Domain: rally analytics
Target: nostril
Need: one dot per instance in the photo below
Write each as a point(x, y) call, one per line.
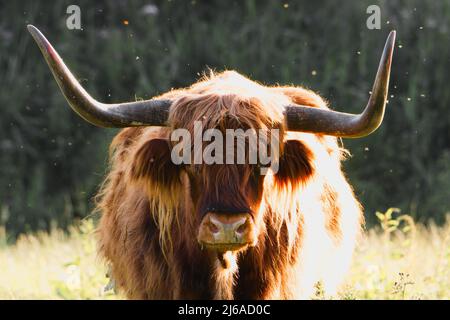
point(213, 227)
point(241, 229)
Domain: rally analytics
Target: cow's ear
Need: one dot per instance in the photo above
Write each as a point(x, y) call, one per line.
point(152, 162)
point(296, 164)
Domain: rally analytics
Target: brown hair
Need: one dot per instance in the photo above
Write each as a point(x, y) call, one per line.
point(147, 229)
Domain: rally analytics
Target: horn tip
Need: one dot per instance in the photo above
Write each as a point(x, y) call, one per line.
point(392, 36)
point(32, 29)
point(390, 43)
point(40, 39)
point(34, 32)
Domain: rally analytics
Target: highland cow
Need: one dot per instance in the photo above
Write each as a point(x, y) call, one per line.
point(220, 230)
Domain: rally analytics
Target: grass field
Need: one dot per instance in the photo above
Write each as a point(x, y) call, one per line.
point(397, 260)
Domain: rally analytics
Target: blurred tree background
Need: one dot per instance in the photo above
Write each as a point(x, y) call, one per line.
point(51, 161)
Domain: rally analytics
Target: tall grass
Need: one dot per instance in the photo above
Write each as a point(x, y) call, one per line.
point(397, 260)
point(401, 260)
point(55, 265)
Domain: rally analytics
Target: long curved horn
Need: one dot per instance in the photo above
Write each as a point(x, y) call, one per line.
point(327, 122)
point(116, 115)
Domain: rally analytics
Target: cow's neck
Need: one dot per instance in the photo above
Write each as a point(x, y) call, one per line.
point(224, 272)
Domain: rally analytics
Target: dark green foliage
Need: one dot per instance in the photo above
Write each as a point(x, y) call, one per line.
point(51, 162)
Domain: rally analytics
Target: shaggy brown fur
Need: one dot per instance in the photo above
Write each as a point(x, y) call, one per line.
point(306, 214)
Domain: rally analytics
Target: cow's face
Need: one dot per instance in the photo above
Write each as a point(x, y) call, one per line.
point(229, 199)
point(225, 201)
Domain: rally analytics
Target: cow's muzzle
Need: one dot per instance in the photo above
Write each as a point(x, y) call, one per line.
point(227, 232)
